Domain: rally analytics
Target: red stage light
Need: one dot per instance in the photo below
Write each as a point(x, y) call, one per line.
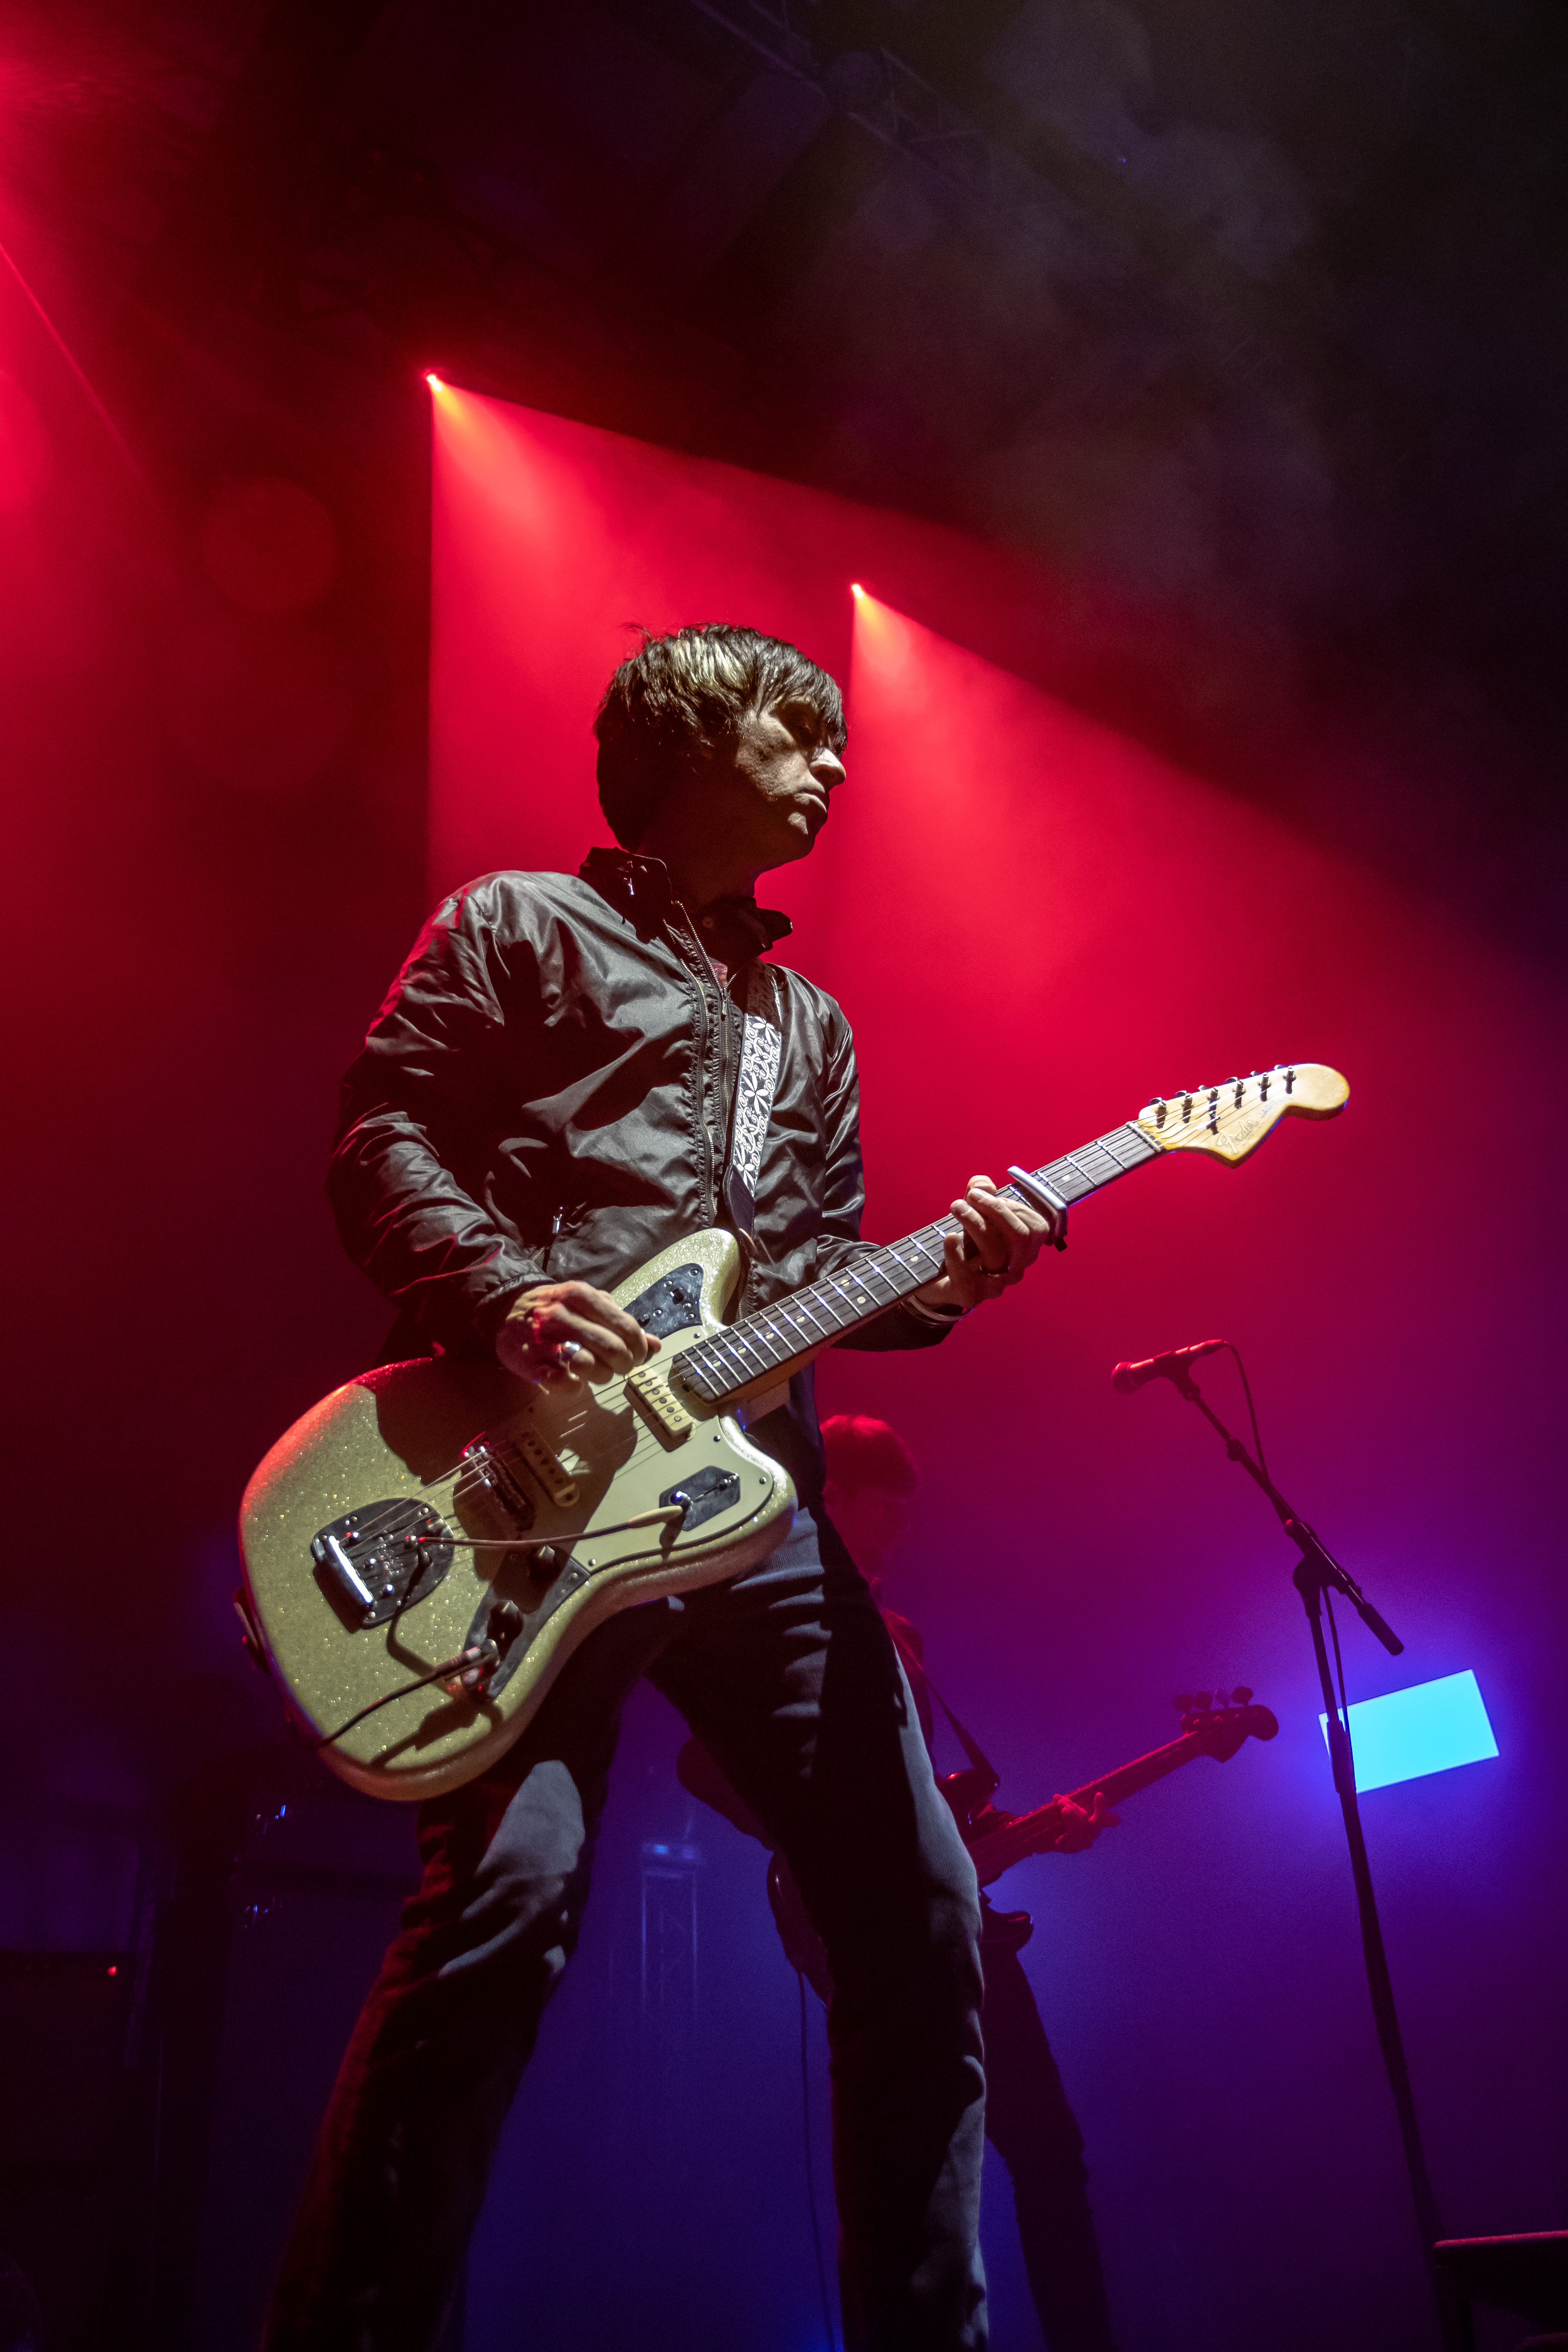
point(434, 382)
point(855, 589)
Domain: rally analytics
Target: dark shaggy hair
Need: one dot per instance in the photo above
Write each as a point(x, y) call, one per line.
point(866, 1452)
point(679, 699)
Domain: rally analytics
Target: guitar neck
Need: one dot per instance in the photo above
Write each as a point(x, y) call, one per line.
point(996, 1849)
point(766, 1347)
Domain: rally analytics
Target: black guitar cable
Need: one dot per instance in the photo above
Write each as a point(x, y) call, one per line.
point(485, 1656)
point(488, 1652)
point(810, 2174)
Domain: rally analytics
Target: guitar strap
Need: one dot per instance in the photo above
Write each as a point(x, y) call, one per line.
point(749, 1122)
point(915, 1671)
point(749, 1119)
point(755, 1086)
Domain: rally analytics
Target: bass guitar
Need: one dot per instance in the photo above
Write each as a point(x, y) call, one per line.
point(424, 1549)
point(997, 1840)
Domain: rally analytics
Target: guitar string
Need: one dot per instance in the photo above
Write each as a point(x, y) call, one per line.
point(660, 1553)
point(799, 1302)
point(923, 1238)
point(646, 1446)
point(1003, 1833)
point(758, 1326)
point(869, 1268)
point(872, 1268)
point(873, 1265)
point(468, 1477)
point(470, 1480)
point(446, 1666)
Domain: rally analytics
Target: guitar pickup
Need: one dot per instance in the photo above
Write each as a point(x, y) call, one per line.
point(670, 1419)
point(556, 1480)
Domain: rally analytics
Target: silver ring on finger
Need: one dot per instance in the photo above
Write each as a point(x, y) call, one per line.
point(567, 1350)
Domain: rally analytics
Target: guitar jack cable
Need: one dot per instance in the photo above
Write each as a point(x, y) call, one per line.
point(488, 1652)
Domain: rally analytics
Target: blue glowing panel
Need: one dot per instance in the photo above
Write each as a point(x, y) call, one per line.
point(1412, 1732)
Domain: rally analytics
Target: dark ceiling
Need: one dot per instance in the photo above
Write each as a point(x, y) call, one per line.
point(1247, 317)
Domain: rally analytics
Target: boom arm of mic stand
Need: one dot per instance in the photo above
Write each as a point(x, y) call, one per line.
point(1318, 1563)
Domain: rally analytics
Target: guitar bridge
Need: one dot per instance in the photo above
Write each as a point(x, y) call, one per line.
point(375, 1563)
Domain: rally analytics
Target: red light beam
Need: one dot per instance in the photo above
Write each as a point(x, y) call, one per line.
point(71, 362)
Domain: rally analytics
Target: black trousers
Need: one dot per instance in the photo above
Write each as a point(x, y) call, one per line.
point(1036, 2134)
point(788, 1676)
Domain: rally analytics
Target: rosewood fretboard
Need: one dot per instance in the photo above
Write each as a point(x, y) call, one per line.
point(743, 1353)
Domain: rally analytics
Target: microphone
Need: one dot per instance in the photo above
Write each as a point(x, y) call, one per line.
point(1128, 1377)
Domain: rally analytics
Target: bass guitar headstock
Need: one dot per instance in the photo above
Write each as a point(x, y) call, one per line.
point(1229, 1122)
point(1219, 1724)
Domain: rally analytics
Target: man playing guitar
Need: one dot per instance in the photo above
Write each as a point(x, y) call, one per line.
point(544, 1098)
point(870, 1490)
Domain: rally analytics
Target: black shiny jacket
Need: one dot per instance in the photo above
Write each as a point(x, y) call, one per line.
point(545, 1093)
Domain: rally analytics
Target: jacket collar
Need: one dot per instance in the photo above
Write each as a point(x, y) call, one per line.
point(733, 929)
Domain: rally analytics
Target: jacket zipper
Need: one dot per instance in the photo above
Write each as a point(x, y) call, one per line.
point(710, 1157)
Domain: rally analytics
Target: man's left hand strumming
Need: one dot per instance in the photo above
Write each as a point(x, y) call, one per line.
point(1005, 1237)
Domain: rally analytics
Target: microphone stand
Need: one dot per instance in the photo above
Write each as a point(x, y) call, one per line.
point(1316, 1573)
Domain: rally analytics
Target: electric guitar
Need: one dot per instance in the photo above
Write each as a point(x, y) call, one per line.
point(424, 1549)
point(997, 1840)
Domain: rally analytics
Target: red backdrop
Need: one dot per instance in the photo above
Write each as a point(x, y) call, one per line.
point(1034, 925)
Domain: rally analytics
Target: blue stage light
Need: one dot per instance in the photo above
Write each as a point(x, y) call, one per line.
point(1409, 1733)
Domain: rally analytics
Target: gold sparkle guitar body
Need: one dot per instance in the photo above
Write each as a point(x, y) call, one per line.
point(427, 1548)
point(369, 1483)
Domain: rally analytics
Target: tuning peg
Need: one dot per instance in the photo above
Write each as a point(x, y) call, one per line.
point(1240, 1695)
point(1183, 1702)
point(1204, 1699)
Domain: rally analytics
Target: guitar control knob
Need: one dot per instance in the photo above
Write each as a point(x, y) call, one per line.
point(506, 1622)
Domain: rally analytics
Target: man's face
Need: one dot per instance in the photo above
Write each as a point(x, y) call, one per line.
point(774, 790)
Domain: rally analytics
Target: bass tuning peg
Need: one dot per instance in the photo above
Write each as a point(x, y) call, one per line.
point(1183, 1702)
point(1240, 1695)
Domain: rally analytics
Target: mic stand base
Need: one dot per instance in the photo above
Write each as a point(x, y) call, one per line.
point(1315, 1572)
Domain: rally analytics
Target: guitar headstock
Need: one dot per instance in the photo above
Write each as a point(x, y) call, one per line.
point(1230, 1121)
point(1220, 1724)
